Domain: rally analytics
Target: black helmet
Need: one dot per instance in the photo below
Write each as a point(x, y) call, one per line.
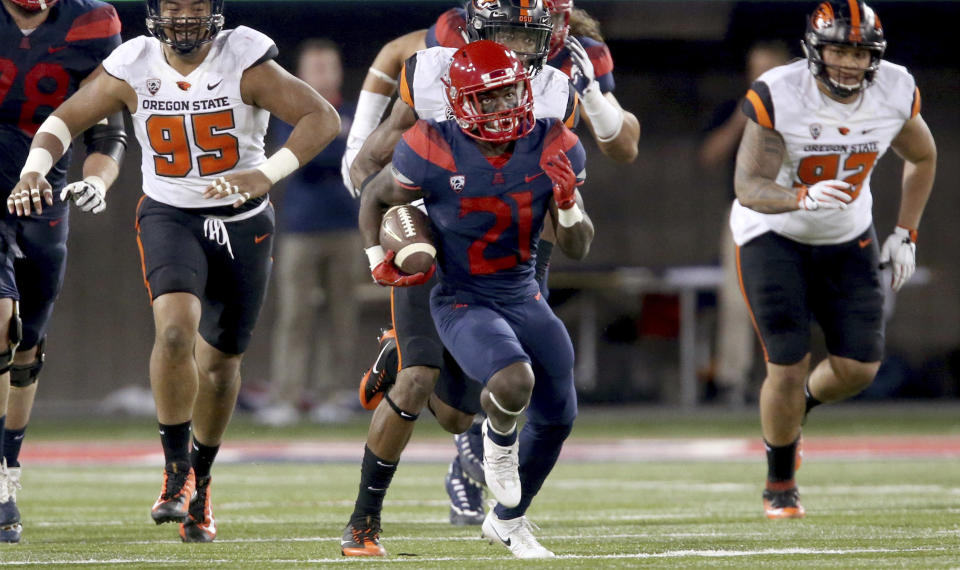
point(503, 21)
point(187, 33)
point(846, 23)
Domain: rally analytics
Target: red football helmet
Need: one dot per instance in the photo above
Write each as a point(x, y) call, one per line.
point(34, 5)
point(478, 68)
point(560, 12)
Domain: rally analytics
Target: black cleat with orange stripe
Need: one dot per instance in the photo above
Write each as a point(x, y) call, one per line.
point(179, 484)
point(781, 500)
point(199, 526)
point(379, 377)
point(362, 538)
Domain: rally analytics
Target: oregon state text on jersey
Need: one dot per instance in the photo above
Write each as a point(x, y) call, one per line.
point(825, 140)
point(196, 127)
point(420, 87)
point(39, 70)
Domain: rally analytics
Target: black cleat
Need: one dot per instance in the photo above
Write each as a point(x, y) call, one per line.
point(199, 526)
point(782, 503)
point(178, 488)
point(378, 379)
point(362, 538)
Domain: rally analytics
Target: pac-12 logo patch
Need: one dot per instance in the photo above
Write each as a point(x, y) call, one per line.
point(153, 85)
point(458, 182)
point(815, 130)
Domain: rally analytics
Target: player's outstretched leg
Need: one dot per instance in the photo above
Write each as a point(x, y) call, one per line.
point(199, 526)
point(10, 527)
point(179, 484)
point(466, 496)
point(379, 377)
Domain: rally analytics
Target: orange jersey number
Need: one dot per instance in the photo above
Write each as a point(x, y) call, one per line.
point(819, 167)
point(170, 142)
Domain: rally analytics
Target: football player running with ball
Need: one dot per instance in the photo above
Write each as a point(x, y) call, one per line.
point(200, 98)
point(488, 179)
point(803, 222)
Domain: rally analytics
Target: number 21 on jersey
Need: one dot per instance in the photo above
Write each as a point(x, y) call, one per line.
point(499, 231)
point(170, 141)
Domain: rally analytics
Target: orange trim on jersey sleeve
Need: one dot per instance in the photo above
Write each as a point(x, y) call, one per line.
point(571, 119)
point(915, 108)
point(405, 92)
point(558, 139)
point(95, 24)
point(430, 145)
point(762, 116)
point(753, 318)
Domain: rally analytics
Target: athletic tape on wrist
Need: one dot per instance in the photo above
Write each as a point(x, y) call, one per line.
point(570, 216)
point(280, 165)
point(375, 255)
point(39, 160)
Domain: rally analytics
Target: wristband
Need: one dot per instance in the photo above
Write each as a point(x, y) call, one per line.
point(39, 160)
point(280, 165)
point(606, 118)
point(375, 255)
point(570, 216)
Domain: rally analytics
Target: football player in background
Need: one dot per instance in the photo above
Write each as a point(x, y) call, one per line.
point(487, 305)
point(47, 50)
point(205, 224)
point(412, 350)
point(803, 222)
point(576, 47)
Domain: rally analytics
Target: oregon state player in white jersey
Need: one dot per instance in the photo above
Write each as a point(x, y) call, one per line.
point(803, 225)
point(200, 98)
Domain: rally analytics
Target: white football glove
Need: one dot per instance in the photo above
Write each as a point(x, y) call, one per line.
point(900, 253)
point(826, 194)
point(582, 72)
point(88, 194)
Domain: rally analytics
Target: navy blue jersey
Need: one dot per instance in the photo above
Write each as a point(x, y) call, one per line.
point(486, 221)
point(40, 70)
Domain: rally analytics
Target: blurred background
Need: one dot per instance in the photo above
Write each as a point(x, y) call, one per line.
point(642, 306)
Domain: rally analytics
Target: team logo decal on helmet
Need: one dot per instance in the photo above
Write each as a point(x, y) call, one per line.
point(184, 33)
point(34, 5)
point(481, 67)
point(843, 23)
point(525, 26)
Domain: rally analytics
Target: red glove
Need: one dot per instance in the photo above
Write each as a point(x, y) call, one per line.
point(388, 274)
point(560, 171)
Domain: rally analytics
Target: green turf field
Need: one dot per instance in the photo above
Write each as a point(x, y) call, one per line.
point(679, 514)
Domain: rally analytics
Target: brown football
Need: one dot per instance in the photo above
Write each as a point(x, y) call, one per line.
point(406, 230)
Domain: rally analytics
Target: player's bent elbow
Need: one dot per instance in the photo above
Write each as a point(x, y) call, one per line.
point(621, 149)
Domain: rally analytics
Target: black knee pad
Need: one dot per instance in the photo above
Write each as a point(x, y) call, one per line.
point(23, 375)
point(403, 415)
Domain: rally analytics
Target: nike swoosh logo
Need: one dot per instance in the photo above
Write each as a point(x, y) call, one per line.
point(52, 49)
point(258, 239)
point(382, 464)
point(503, 540)
point(54, 223)
point(376, 489)
point(163, 432)
point(529, 179)
point(407, 416)
point(211, 87)
point(864, 242)
point(376, 362)
point(865, 131)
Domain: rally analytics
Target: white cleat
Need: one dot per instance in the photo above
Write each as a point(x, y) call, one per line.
point(501, 469)
point(516, 534)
